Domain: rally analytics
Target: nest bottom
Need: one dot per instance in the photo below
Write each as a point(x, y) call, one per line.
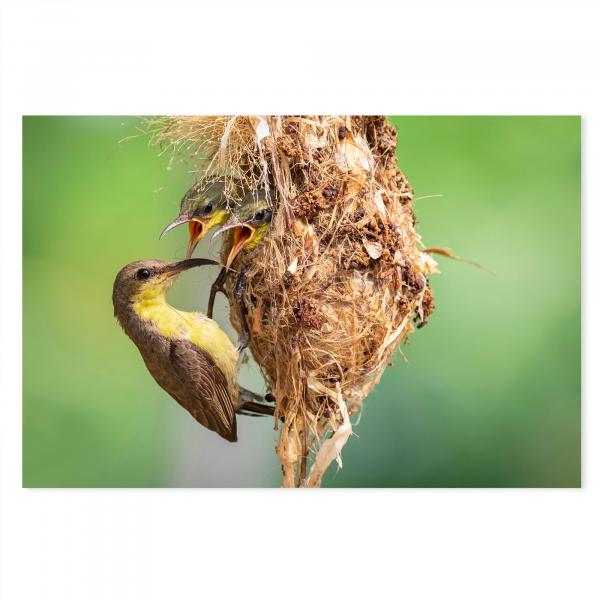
point(322, 336)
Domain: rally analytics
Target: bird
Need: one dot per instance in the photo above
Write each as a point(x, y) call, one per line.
point(203, 207)
point(248, 225)
point(249, 221)
point(187, 353)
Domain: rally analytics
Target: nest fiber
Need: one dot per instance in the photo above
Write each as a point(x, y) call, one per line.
point(341, 277)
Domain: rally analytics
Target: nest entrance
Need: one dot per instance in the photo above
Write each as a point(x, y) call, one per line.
point(341, 277)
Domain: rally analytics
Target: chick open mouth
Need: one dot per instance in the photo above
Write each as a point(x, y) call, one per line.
point(242, 235)
point(197, 229)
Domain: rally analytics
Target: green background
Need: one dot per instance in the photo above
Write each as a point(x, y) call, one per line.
point(490, 395)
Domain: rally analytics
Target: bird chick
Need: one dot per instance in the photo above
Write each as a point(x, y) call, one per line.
point(203, 207)
point(249, 223)
point(187, 353)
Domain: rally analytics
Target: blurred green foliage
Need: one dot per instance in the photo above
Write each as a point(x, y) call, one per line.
point(490, 395)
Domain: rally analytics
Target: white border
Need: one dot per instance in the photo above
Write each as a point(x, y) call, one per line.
point(193, 57)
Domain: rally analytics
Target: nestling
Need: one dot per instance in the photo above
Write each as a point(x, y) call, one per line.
point(249, 221)
point(203, 207)
point(247, 226)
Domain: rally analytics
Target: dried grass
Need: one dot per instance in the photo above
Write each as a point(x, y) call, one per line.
point(340, 280)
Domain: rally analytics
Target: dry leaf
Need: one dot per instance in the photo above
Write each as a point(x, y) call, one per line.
point(261, 127)
point(293, 266)
point(331, 449)
point(378, 200)
point(354, 154)
point(299, 228)
point(374, 249)
point(427, 265)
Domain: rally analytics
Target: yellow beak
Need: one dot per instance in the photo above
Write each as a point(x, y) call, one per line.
point(243, 234)
point(197, 228)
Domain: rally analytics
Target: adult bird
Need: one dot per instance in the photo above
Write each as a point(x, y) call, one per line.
point(203, 207)
point(187, 353)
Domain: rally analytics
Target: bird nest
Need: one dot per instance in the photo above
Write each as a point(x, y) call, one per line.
point(340, 280)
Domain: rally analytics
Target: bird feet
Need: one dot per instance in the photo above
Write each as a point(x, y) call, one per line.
point(219, 286)
point(254, 405)
point(255, 409)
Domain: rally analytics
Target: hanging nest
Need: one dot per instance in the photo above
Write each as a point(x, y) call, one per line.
point(341, 278)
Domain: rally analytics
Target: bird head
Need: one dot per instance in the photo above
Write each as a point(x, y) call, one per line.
point(149, 279)
point(249, 222)
point(203, 207)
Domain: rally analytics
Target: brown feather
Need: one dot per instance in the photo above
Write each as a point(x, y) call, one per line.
point(207, 395)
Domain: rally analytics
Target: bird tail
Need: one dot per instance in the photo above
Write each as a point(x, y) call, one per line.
point(253, 404)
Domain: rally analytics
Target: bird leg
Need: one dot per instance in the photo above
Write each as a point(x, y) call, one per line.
point(217, 286)
point(253, 405)
point(255, 409)
point(240, 287)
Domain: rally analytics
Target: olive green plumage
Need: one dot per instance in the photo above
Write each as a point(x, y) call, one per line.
point(203, 207)
point(249, 222)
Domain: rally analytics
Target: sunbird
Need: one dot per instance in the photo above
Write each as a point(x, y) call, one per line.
point(249, 221)
point(248, 225)
point(187, 353)
point(203, 207)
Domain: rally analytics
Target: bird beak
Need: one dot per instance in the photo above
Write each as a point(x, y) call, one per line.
point(178, 221)
point(242, 235)
point(197, 229)
point(183, 265)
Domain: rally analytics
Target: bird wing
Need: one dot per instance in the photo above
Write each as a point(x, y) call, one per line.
point(207, 392)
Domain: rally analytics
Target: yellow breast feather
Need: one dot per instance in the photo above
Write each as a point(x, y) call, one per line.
point(193, 326)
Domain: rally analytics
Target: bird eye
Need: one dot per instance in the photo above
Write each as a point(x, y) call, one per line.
point(208, 208)
point(143, 274)
point(260, 215)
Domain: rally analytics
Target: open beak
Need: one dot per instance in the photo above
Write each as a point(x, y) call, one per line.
point(197, 229)
point(183, 265)
point(242, 235)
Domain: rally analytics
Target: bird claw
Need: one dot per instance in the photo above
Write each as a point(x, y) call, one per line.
point(243, 340)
